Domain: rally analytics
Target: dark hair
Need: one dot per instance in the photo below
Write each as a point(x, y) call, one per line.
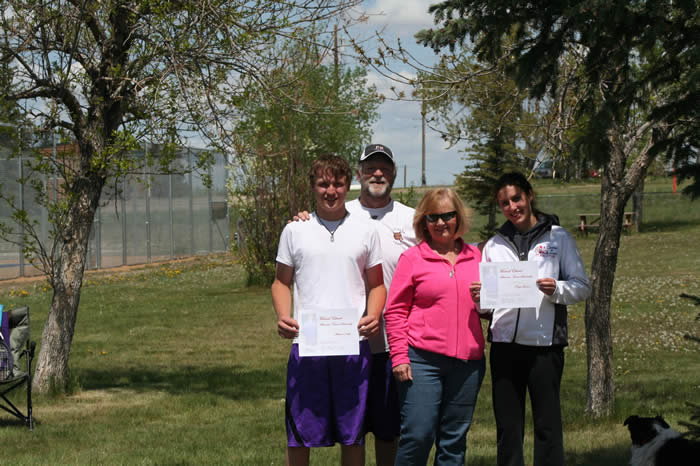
point(331, 165)
point(515, 179)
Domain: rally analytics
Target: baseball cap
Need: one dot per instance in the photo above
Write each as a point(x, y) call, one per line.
point(372, 149)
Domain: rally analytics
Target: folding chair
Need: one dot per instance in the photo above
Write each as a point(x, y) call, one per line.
point(10, 377)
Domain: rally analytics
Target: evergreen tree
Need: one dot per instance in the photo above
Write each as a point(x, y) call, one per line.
point(475, 184)
point(637, 58)
point(487, 113)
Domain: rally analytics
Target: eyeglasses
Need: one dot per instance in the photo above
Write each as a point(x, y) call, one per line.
point(370, 169)
point(446, 217)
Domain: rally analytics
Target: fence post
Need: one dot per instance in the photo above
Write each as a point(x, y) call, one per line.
point(191, 200)
point(88, 256)
point(147, 179)
point(170, 213)
point(98, 238)
point(55, 170)
point(20, 190)
point(211, 213)
point(123, 202)
point(55, 165)
point(45, 213)
point(227, 167)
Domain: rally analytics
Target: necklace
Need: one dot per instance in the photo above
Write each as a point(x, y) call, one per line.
point(332, 232)
point(450, 255)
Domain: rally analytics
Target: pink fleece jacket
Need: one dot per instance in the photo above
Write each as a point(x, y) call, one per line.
point(430, 307)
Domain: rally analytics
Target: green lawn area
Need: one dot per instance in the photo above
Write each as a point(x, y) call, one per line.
point(180, 363)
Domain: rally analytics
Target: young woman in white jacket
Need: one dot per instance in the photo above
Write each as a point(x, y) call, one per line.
point(527, 344)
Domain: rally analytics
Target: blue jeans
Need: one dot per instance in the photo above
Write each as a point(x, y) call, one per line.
point(437, 407)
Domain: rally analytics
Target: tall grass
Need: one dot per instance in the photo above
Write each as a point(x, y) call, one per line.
point(181, 364)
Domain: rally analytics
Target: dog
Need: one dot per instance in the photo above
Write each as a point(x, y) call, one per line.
point(654, 443)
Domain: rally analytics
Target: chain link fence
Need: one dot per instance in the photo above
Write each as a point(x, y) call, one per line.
point(143, 219)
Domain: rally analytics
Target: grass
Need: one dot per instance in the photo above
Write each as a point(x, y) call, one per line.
point(180, 363)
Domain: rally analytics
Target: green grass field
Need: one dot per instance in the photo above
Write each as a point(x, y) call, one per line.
point(180, 364)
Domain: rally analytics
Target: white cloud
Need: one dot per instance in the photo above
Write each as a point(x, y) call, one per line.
point(391, 87)
point(399, 125)
point(400, 12)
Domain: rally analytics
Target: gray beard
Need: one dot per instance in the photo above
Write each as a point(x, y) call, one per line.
point(374, 193)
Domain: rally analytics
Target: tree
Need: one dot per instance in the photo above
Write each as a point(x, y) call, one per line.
point(488, 113)
point(628, 48)
point(328, 108)
point(112, 74)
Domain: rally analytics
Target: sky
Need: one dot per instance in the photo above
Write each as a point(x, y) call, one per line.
point(399, 124)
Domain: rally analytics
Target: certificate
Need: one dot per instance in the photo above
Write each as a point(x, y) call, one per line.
point(509, 284)
point(328, 332)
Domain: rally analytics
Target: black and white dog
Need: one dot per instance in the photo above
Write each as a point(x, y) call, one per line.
point(654, 443)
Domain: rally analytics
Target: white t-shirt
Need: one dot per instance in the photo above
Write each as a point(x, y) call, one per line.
point(330, 274)
point(394, 223)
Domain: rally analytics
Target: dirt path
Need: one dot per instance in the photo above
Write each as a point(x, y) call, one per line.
point(22, 281)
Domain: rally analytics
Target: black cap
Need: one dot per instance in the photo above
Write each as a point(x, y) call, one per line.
point(372, 149)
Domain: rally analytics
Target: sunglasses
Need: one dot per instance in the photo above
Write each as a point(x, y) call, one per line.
point(446, 217)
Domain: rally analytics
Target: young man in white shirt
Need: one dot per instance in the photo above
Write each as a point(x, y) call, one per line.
point(376, 172)
point(335, 262)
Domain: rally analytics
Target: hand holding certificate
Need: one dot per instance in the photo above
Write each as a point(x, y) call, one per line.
point(509, 284)
point(328, 332)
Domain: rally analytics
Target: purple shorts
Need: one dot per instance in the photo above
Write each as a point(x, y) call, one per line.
point(383, 416)
point(327, 398)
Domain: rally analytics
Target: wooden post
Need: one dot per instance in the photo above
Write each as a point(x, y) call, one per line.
point(422, 114)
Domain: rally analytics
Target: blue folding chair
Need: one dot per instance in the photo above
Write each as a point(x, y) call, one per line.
point(10, 377)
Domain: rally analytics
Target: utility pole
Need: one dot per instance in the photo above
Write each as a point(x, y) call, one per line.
point(336, 60)
point(422, 114)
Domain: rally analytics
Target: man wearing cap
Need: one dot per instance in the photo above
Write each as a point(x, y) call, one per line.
point(376, 172)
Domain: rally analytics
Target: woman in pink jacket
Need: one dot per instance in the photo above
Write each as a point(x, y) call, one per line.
point(435, 337)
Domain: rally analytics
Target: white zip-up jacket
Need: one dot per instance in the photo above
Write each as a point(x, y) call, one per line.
point(556, 254)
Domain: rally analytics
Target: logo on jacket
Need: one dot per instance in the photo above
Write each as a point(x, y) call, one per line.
point(546, 250)
point(398, 236)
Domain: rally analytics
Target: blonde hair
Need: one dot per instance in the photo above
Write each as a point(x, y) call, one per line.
point(428, 205)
